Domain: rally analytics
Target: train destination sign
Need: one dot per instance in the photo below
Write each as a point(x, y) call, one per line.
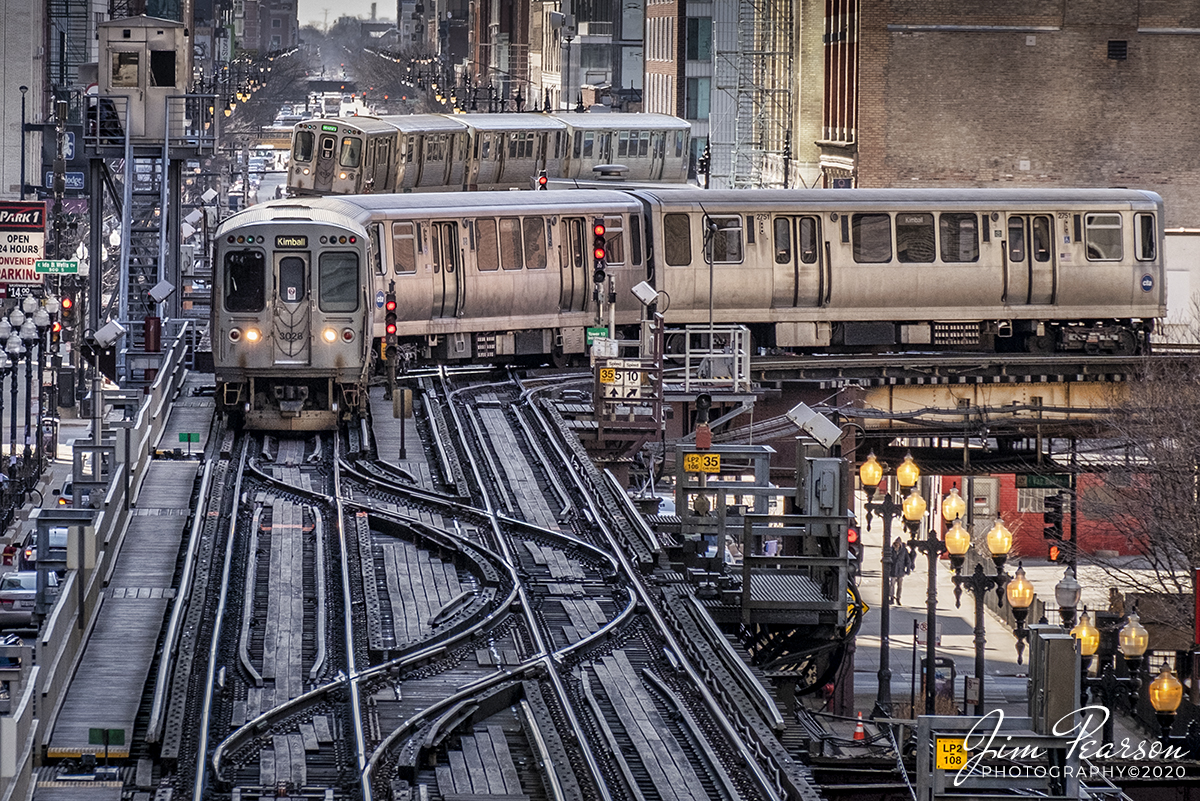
point(291, 241)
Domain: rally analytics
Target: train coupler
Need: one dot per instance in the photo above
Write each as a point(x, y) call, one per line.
point(291, 400)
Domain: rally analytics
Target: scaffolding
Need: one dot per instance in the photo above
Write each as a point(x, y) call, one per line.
point(753, 59)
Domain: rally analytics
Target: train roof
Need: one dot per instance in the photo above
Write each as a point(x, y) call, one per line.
point(361, 123)
point(966, 197)
point(423, 122)
point(514, 202)
point(624, 122)
point(510, 122)
point(332, 210)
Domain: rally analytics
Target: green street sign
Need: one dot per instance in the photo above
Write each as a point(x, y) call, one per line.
point(1043, 481)
point(595, 331)
point(189, 437)
point(56, 266)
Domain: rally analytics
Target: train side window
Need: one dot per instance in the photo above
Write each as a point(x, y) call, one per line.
point(809, 237)
point(643, 144)
point(535, 242)
point(327, 145)
point(614, 238)
point(578, 142)
point(375, 232)
point(339, 283)
point(783, 240)
point(679, 144)
point(487, 254)
point(511, 250)
point(485, 149)
point(871, 238)
point(435, 148)
point(589, 140)
point(1102, 233)
point(245, 281)
point(960, 236)
point(677, 240)
point(1145, 231)
point(623, 143)
point(1041, 239)
point(291, 279)
point(404, 246)
point(409, 149)
point(303, 151)
point(725, 240)
point(914, 238)
point(1016, 239)
point(635, 238)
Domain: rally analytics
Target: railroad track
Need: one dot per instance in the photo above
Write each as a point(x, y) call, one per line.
point(359, 636)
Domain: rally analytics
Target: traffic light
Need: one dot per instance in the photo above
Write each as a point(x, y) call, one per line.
point(1052, 531)
point(599, 250)
point(55, 332)
point(854, 549)
point(542, 180)
point(389, 318)
point(65, 327)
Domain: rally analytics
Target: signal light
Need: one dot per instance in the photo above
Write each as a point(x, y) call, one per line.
point(542, 180)
point(389, 305)
point(599, 249)
point(67, 303)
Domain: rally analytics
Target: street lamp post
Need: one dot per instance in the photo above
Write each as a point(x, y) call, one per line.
point(29, 336)
point(958, 542)
point(41, 319)
point(23, 90)
point(1068, 592)
point(1106, 641)
point(1020, 597)
point(870, 474)
point(1166, 693)
point(14, 347)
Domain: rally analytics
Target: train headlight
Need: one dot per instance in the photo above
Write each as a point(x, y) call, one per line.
point(253, 335)
point(342, 175)
point(329, 335)
point(306, 170)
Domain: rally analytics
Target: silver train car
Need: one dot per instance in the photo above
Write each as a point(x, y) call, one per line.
point(291, 317)
point(437, 152)
point(496, 276)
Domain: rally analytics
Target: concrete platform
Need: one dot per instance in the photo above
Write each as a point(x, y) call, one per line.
point(107, 686)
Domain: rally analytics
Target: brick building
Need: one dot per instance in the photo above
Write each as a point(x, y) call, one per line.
point(1025, 92)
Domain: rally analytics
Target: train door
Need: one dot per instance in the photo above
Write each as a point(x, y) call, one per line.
point(368, 165)
point(292, 323)
point(658, 149)
point(801, 268)
point(1030, 275)
point(456, 145)
point(383, 165)
point(326, 166)
point(575, 288)
point(447, 261)
point(488, 161)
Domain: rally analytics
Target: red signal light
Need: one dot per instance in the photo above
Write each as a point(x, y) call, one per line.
point(598, 229)
point(852, 535)
point(391, 328)
point(598, 253)
point(67, 304)
point(57, 327)
point(390, 305)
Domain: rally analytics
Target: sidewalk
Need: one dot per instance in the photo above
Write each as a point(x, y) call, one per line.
point(1005, 682)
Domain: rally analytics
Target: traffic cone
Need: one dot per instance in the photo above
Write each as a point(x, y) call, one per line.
point(859, 732)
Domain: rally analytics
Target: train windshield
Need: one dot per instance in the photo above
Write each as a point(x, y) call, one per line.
point(338, 288)
point(351, 151)
point(245, 281)
point(303, 150)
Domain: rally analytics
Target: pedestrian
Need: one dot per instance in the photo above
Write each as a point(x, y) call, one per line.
point(902, 565)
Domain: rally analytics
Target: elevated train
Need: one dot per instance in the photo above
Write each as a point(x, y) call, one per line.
point(299, 294)
point(455, 152)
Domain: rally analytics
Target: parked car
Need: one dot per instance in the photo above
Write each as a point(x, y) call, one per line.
point(18, 593)
point(58, 547)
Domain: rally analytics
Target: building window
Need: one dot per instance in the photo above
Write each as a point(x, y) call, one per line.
point(1033, 501)
point(698, 91)
point(277, 23)
point(699, 39)
point(1118, 49)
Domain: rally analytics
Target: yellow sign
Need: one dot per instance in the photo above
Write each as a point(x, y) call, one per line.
point(951, 753)
point(702, 463)
point(608, 375)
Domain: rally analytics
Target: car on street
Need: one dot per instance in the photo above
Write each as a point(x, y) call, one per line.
point(18, 594)
point(58, 547)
